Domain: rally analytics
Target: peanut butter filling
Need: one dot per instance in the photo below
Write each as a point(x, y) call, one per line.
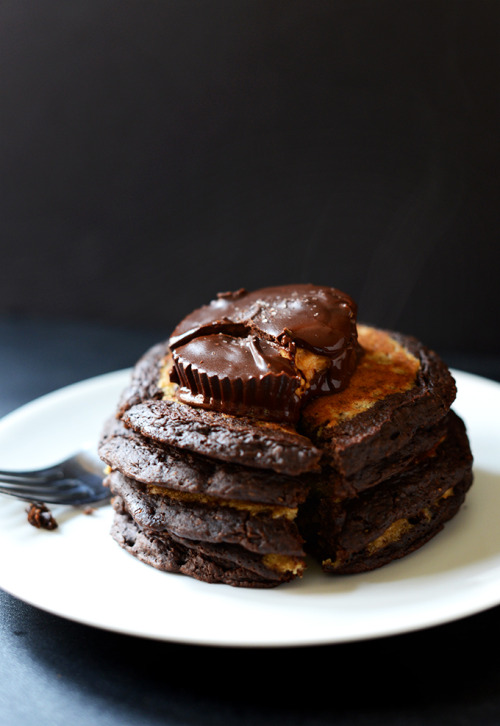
point(275, 512)
point(385, 368)
point(284, 563)
point(395, 531)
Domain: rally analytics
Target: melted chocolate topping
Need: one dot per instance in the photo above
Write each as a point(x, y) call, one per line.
point(242, 353)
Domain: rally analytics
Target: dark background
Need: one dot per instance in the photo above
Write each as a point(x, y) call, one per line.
point(154, 153)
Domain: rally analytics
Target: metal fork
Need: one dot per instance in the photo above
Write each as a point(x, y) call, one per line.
point(76, 481)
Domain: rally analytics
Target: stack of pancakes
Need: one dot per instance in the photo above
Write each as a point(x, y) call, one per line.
point(365, 475)
point(203, 493)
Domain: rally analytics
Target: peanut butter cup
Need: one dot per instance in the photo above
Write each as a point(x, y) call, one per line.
point(265, 353)
point(238, 375)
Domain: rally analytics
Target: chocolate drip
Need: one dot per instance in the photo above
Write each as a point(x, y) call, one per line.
point(239, 353)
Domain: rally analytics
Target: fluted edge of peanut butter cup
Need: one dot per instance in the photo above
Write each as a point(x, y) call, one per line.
point(271, 397)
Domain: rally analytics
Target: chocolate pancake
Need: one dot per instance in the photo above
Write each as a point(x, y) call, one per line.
point(217, 540)
point(228, 438)
point(376, 471)
point(146, 461)
point(219, 522)
point(397, 396)
point(224, 564)
point(263, 529)
point(394, 518)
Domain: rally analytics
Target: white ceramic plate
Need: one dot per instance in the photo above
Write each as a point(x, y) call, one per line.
point(80, 573)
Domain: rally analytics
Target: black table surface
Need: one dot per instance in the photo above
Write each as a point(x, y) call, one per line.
point(54, 671)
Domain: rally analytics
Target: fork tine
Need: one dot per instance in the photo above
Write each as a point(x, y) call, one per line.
point(55, 471)
point(19, 478)
point(64, 491)
point(73, 495)
point(77, 480)
point(63, 487)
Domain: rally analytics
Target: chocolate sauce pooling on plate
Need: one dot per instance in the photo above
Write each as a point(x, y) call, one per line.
point(265, 353)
